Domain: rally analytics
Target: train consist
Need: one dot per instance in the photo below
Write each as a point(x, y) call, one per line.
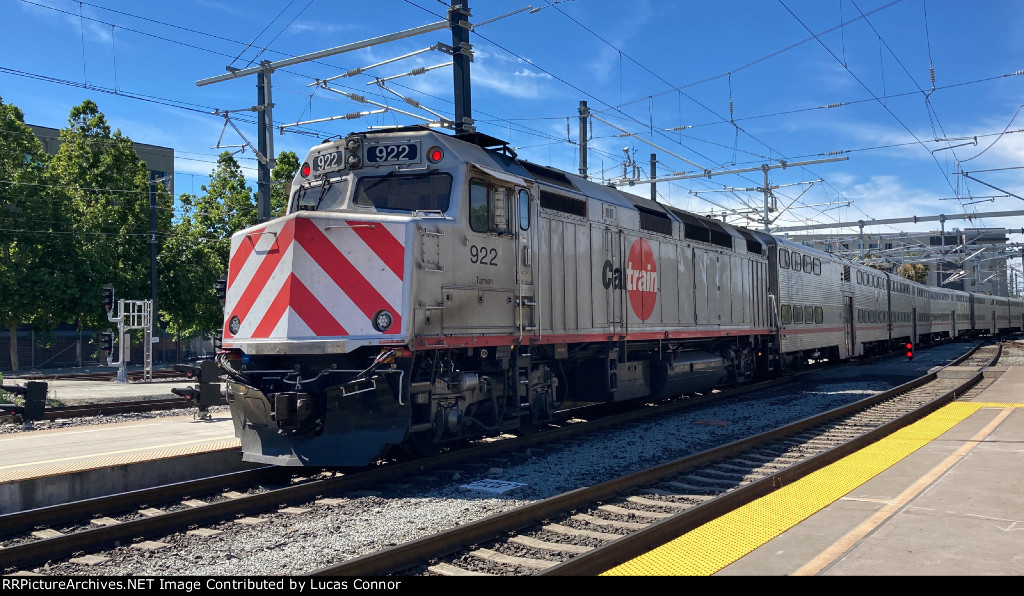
point(425, 288)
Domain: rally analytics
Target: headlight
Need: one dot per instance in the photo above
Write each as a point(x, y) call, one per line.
point(382, 320)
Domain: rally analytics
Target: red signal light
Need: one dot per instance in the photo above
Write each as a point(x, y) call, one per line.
point(910, 350)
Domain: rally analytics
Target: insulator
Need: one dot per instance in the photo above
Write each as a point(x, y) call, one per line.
point(730, 110)
point(931, 71)
point(834, 105)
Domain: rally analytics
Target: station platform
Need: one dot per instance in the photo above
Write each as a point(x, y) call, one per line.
point(58, 463)
point(941, 497)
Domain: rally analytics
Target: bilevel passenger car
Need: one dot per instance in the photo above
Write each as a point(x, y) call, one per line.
point(426, 288)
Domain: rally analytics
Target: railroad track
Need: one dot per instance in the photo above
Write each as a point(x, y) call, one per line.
point(133, 376)
point(590, 530)
point(121, 407)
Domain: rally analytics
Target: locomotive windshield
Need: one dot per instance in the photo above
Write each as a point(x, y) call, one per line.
point(329, 195)
point(405, 192)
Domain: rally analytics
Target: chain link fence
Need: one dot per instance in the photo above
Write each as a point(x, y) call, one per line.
point(61, 349)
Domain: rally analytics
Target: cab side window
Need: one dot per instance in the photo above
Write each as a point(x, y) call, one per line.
point(524, 210)
point(489, 208)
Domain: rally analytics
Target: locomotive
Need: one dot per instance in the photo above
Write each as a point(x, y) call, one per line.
point(426, 288)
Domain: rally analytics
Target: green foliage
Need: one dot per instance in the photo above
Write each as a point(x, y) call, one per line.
point(281, 178)
point(81, 219)
point(108, 193)
point(33, 253)
point(917, 272)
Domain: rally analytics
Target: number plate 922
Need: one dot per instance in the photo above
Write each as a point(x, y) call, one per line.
point(393, 153)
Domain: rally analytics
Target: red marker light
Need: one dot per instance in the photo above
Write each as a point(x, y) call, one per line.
point(305, 170)
point(435, 154)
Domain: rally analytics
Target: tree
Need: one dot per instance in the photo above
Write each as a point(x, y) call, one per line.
point(281, 178)
point(109, 192)
point(917, 272)
point(31, 221)
point(196, 253)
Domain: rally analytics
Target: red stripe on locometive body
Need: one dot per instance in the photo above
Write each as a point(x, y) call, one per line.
point(312, 312)
point(245, 248)
point(383, 244)
point(296, 295)
point(347, 277)
point(272, 315)
point(265, 270)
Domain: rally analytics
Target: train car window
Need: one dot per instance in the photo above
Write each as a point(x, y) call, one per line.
point(489, 208)
point(479, 210)
point(808, 314)
point(860, 278)
point(524, 210)
point(786, 314)
point(784, 258)
point(816, 266)
point(819, 315)
point(796, 262)
point(798, 314)
point(406, 192)
point(807, 263)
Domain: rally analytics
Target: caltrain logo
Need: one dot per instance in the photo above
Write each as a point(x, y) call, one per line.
point(640, 279)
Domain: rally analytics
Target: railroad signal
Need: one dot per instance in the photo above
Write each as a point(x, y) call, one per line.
point(910, 350)
point(221, 287)
point(108, 298)
point(107, 341)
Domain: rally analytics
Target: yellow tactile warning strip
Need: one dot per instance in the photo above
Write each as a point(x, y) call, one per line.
point(67, 465)
point(717, 544)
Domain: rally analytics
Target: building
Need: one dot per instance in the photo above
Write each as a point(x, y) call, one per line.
point(159, 160)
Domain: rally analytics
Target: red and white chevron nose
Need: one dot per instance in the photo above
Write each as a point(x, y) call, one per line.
point(302, 278)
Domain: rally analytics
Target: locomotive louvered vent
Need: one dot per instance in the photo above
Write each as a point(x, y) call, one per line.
point(549, 200)
point(753, 245)
point(705, 230)
point(656, 222)
point(548, 175)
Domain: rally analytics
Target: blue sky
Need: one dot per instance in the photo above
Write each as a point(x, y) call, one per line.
point(750, 78)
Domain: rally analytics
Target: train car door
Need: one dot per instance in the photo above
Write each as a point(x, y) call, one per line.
point(482, 297)
point(526, 312)
point(849, 330)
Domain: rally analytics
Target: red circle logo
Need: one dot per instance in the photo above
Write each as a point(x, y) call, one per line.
point(642, 279)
